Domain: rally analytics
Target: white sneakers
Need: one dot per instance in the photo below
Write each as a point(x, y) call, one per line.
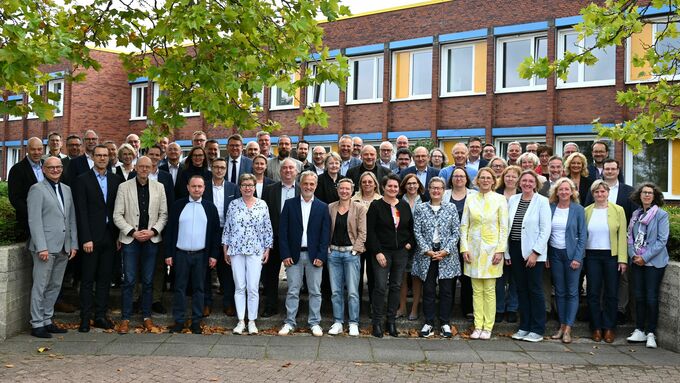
point(426, 331)
point(240, 327)
point(533, 337)
point(336, 329)
point(317, 330)
point(252, 328)
point(651, 340)
point(353, 329)
point(485, 335)
point(476, 334)
point(286, 329)
point(637, 336)
point(520, 335)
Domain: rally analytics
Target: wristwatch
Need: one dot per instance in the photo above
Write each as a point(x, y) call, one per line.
point(354, 252)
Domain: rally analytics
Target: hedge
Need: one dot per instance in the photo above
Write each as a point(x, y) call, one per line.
point(674, 237)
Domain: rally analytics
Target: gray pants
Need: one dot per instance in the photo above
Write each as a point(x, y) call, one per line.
point(47, 278)
point(294, 274)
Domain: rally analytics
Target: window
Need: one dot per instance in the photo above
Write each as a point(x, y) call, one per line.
point(188, 111)
point(510, 53)
point(13, 117)
point(280, 99)
point(652, 164)
point(57, 86)
point(325, 94)
point(138, 102)
point(12, 158)
point(602, 73)
point(412, 74)
point(584, 143)
point(502, 144)
point(39, 91)
point(638, 44)
point(463, 69)
point(365, 83)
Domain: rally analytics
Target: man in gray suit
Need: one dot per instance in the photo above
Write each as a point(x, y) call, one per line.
point(52, 222)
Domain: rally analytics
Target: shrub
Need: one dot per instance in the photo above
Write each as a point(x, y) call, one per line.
point(674, 237)
point(3, 189)
point(9, 229)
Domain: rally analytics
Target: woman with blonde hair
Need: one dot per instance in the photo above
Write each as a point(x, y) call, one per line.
point(368, 189)
point(576, 169)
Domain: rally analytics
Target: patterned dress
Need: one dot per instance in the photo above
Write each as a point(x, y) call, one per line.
point(483, 232)
point(247, 231)
point(425, 220)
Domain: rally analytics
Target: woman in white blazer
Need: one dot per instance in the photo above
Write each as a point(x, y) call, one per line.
point(529, 220)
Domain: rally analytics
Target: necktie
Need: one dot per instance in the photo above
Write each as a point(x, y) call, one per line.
point(233, 171)
point(59, 197)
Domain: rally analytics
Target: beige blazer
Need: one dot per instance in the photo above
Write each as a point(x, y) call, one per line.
point(126, 209)
point(356, 224)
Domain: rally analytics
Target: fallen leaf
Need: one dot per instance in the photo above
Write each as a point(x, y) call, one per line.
point(591, 353)
point(213, 379)
point(632, 350)
point(9, 366)
point(287, 365)
point(43, 349)
point(358, 364)
point(119, 370)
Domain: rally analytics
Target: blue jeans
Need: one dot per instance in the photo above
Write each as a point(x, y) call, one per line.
point(565, 280)
point(295, 273)
point(343, 269)
point(509, 302)
point(189, 265)
point(602, 270)
point(529, 291)
point(144, 254)
point(646, 281)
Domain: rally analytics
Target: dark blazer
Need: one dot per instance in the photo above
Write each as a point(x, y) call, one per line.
point(119, 173)
point(594, 174)
point(271, 194)
point(318, 230)
point(19, 181)
point(183, 177)
point(353, 162)
point(245, 166)
point(576, 232)
point(380, 232)
point(310, 166)
point(584, 190)
point(76, 167)
point(326, 189)
point(212, 234)
point(231, 192)
point(622, 199)
point(91, 210)
point(267, 181)
point(355, 173)
point(166, 168)
point(431, 172)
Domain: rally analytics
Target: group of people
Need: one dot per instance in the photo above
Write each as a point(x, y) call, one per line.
point(399, 216)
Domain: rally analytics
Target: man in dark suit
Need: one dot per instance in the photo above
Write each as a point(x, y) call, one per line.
point(95, 192)
point(368, 164)
point(317, 165)
point(223, 192)
point(52, 221)
point(192, 239)
point(275, 195)
point(83, 163)
point(238, 163)
point(345, 146)
point(173, 164)
point(304, 233)
point(420, 169)
point(600, 152)
point(22, 176)
point(475, 159)
point(386, 150)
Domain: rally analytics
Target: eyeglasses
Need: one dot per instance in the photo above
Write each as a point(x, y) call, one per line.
point(247, 186)
point(459, 177)
point(53, 168)
point(433, 188)
point(647, 193)
point(411, 184)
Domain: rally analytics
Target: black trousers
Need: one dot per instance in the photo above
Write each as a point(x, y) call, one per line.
point(388, 282)
point(270, 280)
point(226, 279)
point(430, 292)
point(97, 270)
point(465, 290)
point(367, 267)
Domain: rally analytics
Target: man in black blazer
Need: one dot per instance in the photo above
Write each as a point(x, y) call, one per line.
point(22, 176)
point(475, 159)
point(223, 192)
point(83, 163)
point(95, 192)
point(275, 195)
point(600, 152)
point(173, 165)
point(424, 173)
point(368, 164)
point(237, 163)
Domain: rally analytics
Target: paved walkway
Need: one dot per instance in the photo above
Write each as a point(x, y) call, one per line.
point(99, 356)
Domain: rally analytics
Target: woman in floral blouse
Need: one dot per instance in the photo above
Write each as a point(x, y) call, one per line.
point(436, 261)
point(247, 238)
point(483, 239)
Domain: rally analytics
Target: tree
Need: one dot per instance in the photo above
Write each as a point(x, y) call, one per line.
point(656, 103)
point(209, 55)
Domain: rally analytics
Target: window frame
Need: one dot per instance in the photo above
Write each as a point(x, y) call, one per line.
point(501, 143)
point(393, 75)
point(500, 57)
point(273, 97)
point(11, 117)
point(58, 104)
point(581, 82)
point(444, 73)
point(311, 67)
point(31, 115)
point(628, 169)
point(561, 140)
point(655, 23)
point(133, 101)
point(377, 71)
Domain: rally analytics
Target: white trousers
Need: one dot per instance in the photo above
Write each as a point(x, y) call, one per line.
point(246, 271)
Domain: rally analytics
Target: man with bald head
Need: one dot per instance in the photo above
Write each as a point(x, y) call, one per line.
point(459, 154)
point(421, 169)
point(285, 146)
point(134, 141)
point(83, 163)
point(173, 164)
point(345, 152)
point(22, 176)
point(369, 163)
point(140, 213)
point(357, 145)
point(252, 149)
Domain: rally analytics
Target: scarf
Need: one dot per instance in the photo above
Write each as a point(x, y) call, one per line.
point(637, 240)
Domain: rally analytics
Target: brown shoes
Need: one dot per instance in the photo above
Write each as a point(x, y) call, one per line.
point(559, 334)
point(566, 338)
point(148, 324)
point(206, 311)
point(609, 336)
point(124, 327)
point(230, 311)
point(597, 336)
point(63, 307)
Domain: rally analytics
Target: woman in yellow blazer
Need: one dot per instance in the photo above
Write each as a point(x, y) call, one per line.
point(606, 257)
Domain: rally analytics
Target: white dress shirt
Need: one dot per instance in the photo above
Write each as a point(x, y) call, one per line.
point(306, 211)
point(193, 227)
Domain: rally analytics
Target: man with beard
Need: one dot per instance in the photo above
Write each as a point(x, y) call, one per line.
point(274, 164)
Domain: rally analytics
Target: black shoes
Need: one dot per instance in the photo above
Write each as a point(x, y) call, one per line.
point(84, 326)
point(40, 332)
point(377, 330)
point(177, 328)
point(268, 313)
point(392, 330)
point(53, 329)
point(512, 317)
point(158, 308)
point(196, 328)
point(103, 323)
point(499, 317)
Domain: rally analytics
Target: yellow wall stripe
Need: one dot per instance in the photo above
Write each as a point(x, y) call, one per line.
point(638, 44)
point(402, 69)
point(675, 182)
point(480, 68)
